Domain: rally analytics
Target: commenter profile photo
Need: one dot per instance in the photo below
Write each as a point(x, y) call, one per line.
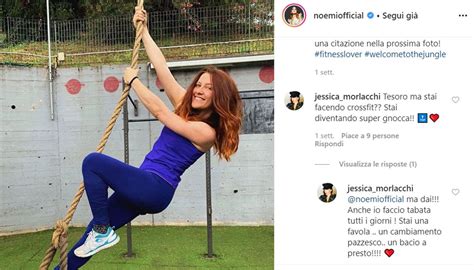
point(327, 192)
point(294, 15)
point(294, 100)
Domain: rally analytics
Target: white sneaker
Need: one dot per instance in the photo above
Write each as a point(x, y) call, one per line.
point(96, 242)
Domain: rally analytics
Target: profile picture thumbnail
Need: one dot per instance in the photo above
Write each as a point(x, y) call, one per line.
point(327, 192)
point(294, 100)
point(294, 15)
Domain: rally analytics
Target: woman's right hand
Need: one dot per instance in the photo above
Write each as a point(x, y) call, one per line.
point(129, 74)
point(140, 16)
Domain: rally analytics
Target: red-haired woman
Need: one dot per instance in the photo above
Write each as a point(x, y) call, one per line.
point(207, 114)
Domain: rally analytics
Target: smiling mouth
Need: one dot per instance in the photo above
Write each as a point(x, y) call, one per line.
point(200, 98)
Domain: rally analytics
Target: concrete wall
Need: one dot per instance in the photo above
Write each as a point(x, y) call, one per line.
point(40, 162)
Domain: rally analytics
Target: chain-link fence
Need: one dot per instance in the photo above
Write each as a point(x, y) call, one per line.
point(182, 34)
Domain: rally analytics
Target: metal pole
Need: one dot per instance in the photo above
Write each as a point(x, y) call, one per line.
point(250, 23)
point(56, 41)
point(126, 159)
point(210, 253)
point(50, 69)
point(8, 30)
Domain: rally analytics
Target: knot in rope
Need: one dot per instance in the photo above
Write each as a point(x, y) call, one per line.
point(60, 229)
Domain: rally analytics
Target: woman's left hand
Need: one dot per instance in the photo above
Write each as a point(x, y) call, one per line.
point(129, 74)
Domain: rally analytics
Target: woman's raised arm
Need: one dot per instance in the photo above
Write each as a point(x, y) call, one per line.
point(173, 90)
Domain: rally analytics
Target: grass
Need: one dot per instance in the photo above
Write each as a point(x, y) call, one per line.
point(35, 53)
point(166, 247)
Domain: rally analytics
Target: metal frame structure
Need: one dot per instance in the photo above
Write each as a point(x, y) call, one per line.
point(126, 121)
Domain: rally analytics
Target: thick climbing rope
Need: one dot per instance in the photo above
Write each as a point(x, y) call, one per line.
point(59, 239)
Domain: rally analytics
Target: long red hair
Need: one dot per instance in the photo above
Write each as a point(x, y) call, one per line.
point(226, 117)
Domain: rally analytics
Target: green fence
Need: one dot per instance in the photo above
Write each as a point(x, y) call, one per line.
point(183, 34)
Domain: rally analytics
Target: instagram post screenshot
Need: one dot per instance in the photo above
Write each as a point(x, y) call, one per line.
point(137, 134)
point(237, 134)
point(373, 142)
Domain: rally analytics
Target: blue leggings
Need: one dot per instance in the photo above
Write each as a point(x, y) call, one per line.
point(136, 192)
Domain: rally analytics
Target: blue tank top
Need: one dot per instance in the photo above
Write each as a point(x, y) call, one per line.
point(171, 155)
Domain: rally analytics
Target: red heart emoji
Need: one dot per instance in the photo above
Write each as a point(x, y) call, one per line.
point(389, 252)
point(434, 117)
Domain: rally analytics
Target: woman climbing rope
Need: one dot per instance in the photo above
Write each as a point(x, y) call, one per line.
point(207, 114)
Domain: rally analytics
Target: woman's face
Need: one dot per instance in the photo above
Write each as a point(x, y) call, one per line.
point(295, 100)
point(327, 192)
point(202, 93)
